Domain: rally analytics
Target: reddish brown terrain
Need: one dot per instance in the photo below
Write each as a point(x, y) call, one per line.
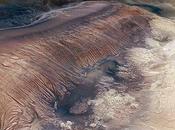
point(94, 66)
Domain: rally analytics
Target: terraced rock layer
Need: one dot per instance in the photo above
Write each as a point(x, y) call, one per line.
point(98, 65)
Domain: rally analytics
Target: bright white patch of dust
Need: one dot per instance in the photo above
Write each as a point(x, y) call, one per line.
point(112, 109)
point(114, 106)
point(66, 126)
point(157, 64)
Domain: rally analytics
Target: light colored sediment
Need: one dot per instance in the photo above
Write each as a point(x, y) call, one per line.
point(154, 105)
point(157, 64)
